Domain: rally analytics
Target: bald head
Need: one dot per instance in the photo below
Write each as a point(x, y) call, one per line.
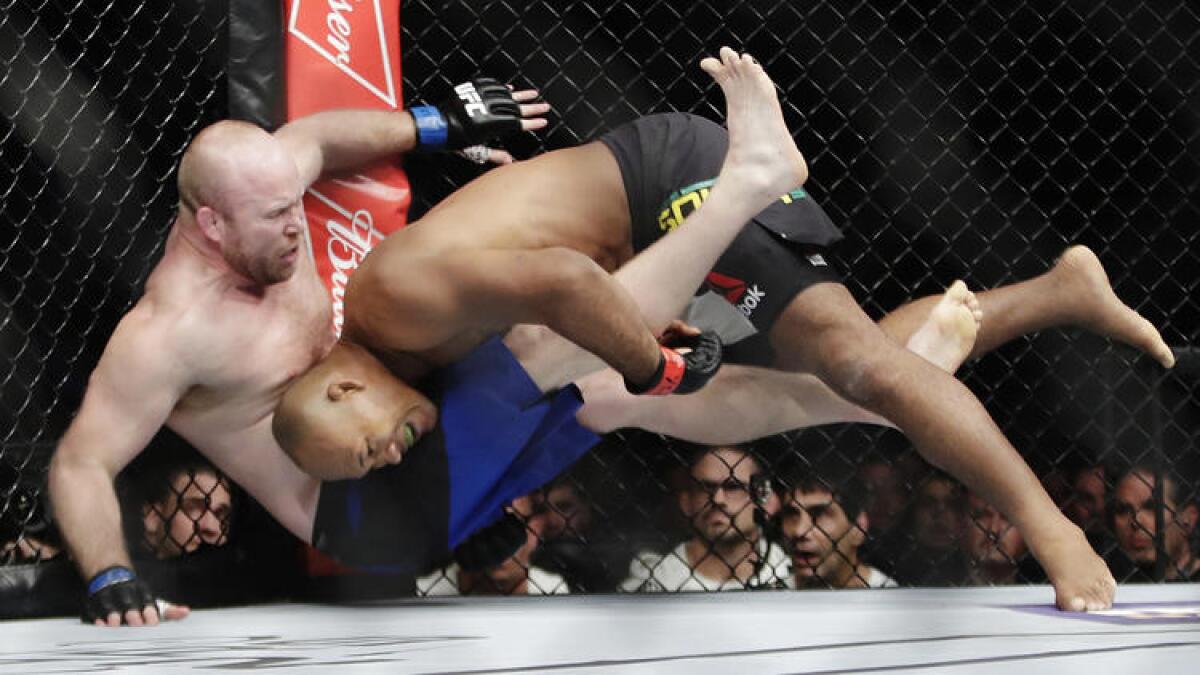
point(217, 161)
point(240, 190)
point(348, 415)
point(301, 416)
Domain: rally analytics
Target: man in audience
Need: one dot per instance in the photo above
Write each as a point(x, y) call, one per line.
point(587, 557)
point(27, 532)
point(187, 505)
point(515, 576)
point(933, 524)
point(724, 498)
point(567, 514)
point(994, 547)
point(1086, 505)
point(1136, 510)
point(886, 493)
point(823, 524)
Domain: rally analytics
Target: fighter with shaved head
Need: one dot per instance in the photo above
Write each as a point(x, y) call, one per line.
point(229, 315)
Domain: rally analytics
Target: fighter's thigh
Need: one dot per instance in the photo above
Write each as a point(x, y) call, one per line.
point(824, 331)
point(758, 277)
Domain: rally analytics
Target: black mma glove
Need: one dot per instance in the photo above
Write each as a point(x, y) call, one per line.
point(116, 589)
point(682, 373)
point(480, 110)
point(492, 545)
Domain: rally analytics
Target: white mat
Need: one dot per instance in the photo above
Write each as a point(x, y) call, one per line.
point(1156, 630)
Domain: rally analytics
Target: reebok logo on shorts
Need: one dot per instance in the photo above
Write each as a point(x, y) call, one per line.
point(745, 298)
point(729, 288)
point(817, 260)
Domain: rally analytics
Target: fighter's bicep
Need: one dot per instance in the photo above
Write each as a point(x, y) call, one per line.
point(411, 304)
point(512, 285)
point(304, 150)
point(130, 394)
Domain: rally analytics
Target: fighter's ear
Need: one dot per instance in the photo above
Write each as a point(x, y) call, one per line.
point(210, 223)
point(342, 388)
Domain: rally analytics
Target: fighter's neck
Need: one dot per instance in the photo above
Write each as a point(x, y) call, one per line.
point(187, 243)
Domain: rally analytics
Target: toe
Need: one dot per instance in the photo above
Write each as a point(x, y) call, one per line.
point(713, 67)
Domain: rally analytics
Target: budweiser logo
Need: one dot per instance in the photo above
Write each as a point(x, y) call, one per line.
point(349, 237)
point(350, 35)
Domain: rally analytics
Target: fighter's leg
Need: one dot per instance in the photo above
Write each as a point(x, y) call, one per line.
point(824, 331)
point(766, 402)
point(1074, 292)
point(762, 163)
point(950, 328)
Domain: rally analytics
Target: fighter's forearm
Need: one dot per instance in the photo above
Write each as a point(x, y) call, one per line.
point(88, 515)
point(586, 306)
point(661, 279)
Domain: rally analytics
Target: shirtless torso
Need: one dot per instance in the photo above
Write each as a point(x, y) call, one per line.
point(232, 313)
point(567, 199)
point(571, 197)
point(243, 348)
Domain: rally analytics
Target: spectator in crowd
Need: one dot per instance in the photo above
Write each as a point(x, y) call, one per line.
point(823, 525)
point(570, 546)
point(515, 576)
point(725, 500)
point(1086, 503)
point(1135, 511)
point(995, 548)
point(565, 512)
point(187, 505)
point(886, 494)
point(933, 524)
point(27, 532)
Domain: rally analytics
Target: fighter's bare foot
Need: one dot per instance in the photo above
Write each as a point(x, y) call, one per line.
point(1082, 582)
point(948, 334)
point(1080, 273)
point(763, 159)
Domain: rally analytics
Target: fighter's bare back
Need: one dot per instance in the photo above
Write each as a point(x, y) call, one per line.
point(569, 199)
point(572, 197)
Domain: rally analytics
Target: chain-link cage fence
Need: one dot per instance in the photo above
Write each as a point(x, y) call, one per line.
point(963, 140)
point(951, 141)
point(99, 99)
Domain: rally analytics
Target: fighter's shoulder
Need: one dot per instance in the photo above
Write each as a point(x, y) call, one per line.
point(150, 328)
point(173, 320)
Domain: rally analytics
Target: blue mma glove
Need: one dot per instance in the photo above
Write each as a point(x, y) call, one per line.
point(480, 110)
point(116, 589)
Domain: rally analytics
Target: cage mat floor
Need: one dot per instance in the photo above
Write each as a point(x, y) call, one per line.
point(1151, 629)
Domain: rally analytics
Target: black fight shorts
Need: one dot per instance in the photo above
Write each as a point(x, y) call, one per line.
point(668, 163)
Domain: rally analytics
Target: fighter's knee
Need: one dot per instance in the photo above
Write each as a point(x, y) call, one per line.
point(862, 375)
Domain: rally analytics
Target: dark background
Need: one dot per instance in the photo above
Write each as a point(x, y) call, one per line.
point(965, 139)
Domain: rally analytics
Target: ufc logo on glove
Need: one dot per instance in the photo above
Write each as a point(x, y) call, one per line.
point(472, 102)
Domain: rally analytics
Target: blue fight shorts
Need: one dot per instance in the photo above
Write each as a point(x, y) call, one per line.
point(498, 438)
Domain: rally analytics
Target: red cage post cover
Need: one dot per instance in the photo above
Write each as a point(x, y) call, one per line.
point(346, 54)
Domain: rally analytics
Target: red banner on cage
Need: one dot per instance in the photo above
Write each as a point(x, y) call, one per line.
point(346, 54)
